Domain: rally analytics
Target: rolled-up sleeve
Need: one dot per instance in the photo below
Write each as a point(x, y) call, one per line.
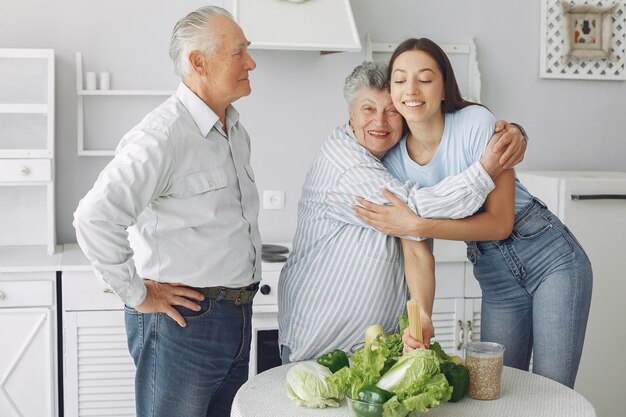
point(455, 197)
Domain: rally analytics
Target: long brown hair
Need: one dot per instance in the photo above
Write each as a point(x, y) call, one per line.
point(453, 100)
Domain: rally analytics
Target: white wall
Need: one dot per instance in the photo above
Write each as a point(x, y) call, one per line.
point(296, 98)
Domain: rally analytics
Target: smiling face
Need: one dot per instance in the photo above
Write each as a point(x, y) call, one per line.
point(376, 123)
point(417, 87)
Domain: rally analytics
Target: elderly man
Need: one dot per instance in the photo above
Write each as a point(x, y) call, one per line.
point(171, 226)
point(343, 275)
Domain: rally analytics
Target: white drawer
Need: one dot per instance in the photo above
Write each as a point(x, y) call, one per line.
point(25, 170)
point(82, 291)
point(26, 293)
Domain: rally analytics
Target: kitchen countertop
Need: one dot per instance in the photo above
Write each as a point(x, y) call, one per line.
point(29, 259)
point(69, 257)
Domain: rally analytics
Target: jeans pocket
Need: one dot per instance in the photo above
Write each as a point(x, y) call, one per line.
point(533, 228)
point(206, 307)
point(130, 310)
point(134, 324)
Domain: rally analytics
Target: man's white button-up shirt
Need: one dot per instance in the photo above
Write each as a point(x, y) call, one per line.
point(178, 203)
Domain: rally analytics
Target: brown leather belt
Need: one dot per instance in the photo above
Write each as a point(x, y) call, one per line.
point(243, 295)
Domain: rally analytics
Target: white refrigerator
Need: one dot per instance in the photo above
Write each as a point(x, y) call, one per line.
point(593, 206)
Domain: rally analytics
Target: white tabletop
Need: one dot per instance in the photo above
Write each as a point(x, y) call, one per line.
point(523, 394)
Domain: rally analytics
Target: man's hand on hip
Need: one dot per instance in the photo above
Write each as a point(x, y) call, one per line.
point(161, 297)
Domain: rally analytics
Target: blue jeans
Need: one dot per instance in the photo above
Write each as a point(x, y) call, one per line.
point(285, 352)
point(536, 289)
point(193, 371)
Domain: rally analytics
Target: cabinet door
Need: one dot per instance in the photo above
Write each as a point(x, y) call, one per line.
point(27, 358)
point(472, 320)
point(448, 322)
point(456, 322)
point(600, 226)
point(99, 372)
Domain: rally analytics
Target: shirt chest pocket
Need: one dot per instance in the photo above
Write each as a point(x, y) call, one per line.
point(205, 181)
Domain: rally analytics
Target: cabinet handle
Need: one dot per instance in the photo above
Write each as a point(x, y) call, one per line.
point(107, 290)
point(470, 331)
point(461, 335)
point(598, 196)
point(25, 170)
point(1, 295)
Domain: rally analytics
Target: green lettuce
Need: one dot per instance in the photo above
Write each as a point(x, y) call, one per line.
point(368, 364)
point(417, 383)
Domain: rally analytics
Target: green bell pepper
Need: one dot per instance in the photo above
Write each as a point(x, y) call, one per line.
point(373, 394)
point(334, 360)
point(371, 400)
point(458, 378)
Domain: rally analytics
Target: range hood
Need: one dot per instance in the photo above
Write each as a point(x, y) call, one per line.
point(310, 25)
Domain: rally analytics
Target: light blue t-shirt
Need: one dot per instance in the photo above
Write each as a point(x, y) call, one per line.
point(465, 136)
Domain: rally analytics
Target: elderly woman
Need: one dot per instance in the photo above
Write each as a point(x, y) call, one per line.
point(343, 275)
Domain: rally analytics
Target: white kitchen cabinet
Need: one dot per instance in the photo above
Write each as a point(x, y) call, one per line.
point(456, 310)
point(456, 322)
point(99, 373)
point(593, 206)
point(28, 352)
point(27, 148)
point(297, 25)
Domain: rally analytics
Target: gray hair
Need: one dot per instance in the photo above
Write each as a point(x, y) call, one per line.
point(370, 74)
point(194, 32)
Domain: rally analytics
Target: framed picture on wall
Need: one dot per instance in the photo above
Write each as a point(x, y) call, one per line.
point(583, 39)
point(588, 31)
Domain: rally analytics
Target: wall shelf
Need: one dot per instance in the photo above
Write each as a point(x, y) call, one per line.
point(23, 108)
point(82, 94)
point(125, 92)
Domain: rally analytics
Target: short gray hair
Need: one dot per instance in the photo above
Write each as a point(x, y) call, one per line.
point(194, 32)
point(370, 74)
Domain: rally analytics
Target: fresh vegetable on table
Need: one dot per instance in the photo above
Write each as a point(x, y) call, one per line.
point(334, 360)
point(370, 401)
point(381, 380)
point(373, 394)
point(458, 378)
point(417, 382)
point(367, 367)
point(306, 383)
point(372, 332)
point(456, 373)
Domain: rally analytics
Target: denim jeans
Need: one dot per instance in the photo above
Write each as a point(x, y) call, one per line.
point(191, 371)
point(285, 352)
point(536, 289)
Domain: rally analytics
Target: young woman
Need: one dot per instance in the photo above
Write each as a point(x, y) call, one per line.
point(535, 277)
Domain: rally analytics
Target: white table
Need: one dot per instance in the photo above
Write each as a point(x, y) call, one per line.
point(523, 394)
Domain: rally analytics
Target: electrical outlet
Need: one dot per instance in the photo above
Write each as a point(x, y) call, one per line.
point(273, 200)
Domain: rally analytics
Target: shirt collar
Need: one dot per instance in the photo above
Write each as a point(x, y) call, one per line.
point(202, 115)
point(350, 133)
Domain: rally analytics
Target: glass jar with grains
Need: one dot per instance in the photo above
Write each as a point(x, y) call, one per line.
point(484, 363)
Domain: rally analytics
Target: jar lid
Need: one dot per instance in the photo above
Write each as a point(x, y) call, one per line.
point(485, 348)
